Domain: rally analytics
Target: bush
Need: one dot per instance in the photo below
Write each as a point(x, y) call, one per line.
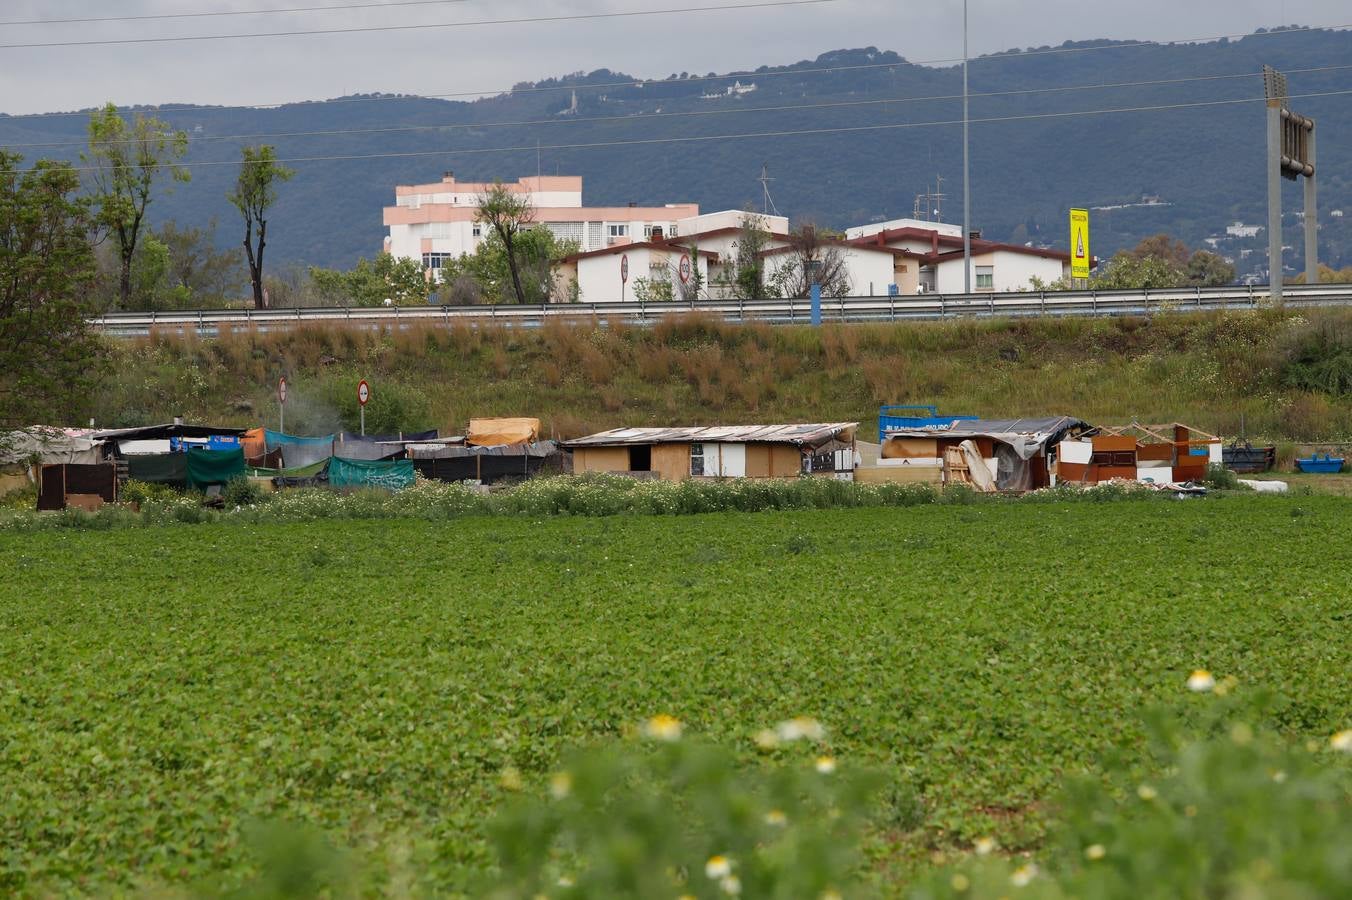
point(141, 492)
point(243, 492)
point(674, 817)
point(1219, 478)
point(1234, 812)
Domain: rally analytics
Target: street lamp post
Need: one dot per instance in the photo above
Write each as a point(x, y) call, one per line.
point(966, 169)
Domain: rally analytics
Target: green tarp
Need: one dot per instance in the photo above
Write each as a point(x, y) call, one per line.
point(298, 472)
point(159, 468)
point(392, 474)
point(207, 467)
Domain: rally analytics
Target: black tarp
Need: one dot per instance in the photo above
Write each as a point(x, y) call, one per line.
point(487, 464)
point(159, 468)
point(402, 437)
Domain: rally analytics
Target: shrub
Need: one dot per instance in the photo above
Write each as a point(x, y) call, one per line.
point(243, 492)
point(1219, 478)
point(140, 492)
point(1235, 811)
point(673, 816)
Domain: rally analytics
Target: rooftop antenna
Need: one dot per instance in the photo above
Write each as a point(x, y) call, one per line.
point(538, 172)
point(938, 198)
point(765, 179)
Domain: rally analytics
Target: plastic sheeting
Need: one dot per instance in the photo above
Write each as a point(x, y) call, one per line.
point(255, 443)
point(208, 467)
point(299, 451)
point(51, 446)
point(368, 450)
point(497, 432)
point(402, 437)
point(159, 468)
point(392, 474)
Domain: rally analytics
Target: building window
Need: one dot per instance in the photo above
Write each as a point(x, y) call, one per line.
point(478, 230)
point(619, 230)
point(985, 278)
point(696, 459)
point(435, 260)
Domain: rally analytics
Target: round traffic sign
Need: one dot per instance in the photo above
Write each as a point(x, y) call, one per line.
point(684, 268)
point(624, 267)
point(363, 392)
point(281, 389)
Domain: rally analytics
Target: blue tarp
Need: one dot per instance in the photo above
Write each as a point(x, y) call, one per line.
point(299, 451)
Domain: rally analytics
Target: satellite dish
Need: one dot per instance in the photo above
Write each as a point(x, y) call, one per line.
point(389, 302)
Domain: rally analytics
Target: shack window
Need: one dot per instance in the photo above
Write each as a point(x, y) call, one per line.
point(641, 459)
point(696, 459)
point(985, 278)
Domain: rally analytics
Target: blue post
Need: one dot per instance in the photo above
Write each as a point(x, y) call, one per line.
point(816, 294)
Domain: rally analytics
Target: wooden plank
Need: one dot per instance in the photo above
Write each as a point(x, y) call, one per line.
point(1109, 443)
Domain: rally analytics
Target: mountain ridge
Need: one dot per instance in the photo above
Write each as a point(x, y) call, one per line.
point(878, 130)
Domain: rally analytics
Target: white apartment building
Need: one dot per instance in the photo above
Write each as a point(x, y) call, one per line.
point(435, 222)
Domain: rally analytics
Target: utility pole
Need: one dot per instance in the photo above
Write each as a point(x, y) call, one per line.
point(1291, 154)
point(966, 169)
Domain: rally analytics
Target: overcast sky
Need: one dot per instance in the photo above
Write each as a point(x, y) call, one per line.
point(492, 58)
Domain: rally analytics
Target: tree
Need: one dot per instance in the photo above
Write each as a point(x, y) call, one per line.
point(1328, 275)
point(747, 278)
point(1207, 269)
point(209, 276)
point(126, 162)
point(508, 214)
point(1162, 246)
point(47, 352)
point(485, 276)
point(808, 249)
point(401, 281)
point(255, 192)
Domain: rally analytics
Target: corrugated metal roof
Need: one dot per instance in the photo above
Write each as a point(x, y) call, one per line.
point(994, 427)
point(805, 434)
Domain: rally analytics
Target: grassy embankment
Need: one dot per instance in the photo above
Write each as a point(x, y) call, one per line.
point(1211, 371)
point(174, 684)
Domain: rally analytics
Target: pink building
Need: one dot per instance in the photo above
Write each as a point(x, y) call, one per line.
point(436, 222)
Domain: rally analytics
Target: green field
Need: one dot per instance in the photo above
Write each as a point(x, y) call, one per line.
point(161, 687)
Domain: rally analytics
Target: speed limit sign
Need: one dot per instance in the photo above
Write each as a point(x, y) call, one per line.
point(684, 268)
point(363, 392)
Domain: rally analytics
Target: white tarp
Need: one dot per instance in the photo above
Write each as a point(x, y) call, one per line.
point(51, 446)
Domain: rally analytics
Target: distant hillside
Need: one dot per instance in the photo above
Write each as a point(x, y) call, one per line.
point(1205, 164)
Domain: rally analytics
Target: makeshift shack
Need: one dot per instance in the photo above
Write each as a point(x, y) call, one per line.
point(732, 451)
point(81, 485)
point(485, 465)
point(1154, 454)
point(24, 451)
point(173, 437)
point(987, 454)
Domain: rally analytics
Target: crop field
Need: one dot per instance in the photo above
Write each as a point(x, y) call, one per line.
point(162, 688)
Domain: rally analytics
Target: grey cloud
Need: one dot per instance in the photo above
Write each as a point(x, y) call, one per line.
point(268, 70)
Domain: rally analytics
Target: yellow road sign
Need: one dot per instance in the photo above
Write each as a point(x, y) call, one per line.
point(1079, 243)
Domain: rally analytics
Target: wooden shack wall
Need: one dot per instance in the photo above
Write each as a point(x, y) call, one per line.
point(600, 459)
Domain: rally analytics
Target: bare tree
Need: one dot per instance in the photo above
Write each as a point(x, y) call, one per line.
point(508, 214)
point(255, 192)
point(811, 252)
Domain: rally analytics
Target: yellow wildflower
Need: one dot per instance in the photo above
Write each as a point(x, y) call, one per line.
point(984, 846)
point(718, 867)
point(1095, 851)
point(826, 764)
point(663, 728)
point(776, 817)
point(1023, 875)
point(1342, 741)
point(800, 727)
point(1201, 681)
point(560, 785)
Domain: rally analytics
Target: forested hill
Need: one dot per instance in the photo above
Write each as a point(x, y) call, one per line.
point(1203, 163)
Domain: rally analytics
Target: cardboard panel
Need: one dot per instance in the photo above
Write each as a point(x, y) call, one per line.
point(902, 448)
point(757, 461)
point(87, 502)
point(1069, 471)
point(672, 461)
point(1106, 473)
point(600, 459)
point(785, 462)
point(1108, 443)
point(1155, 452)
point(899, 475)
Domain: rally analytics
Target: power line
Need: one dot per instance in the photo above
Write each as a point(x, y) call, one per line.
point(885, 101)
point(688, 139)
point(1011, 55)
point(367, 29)
point(233, 12)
